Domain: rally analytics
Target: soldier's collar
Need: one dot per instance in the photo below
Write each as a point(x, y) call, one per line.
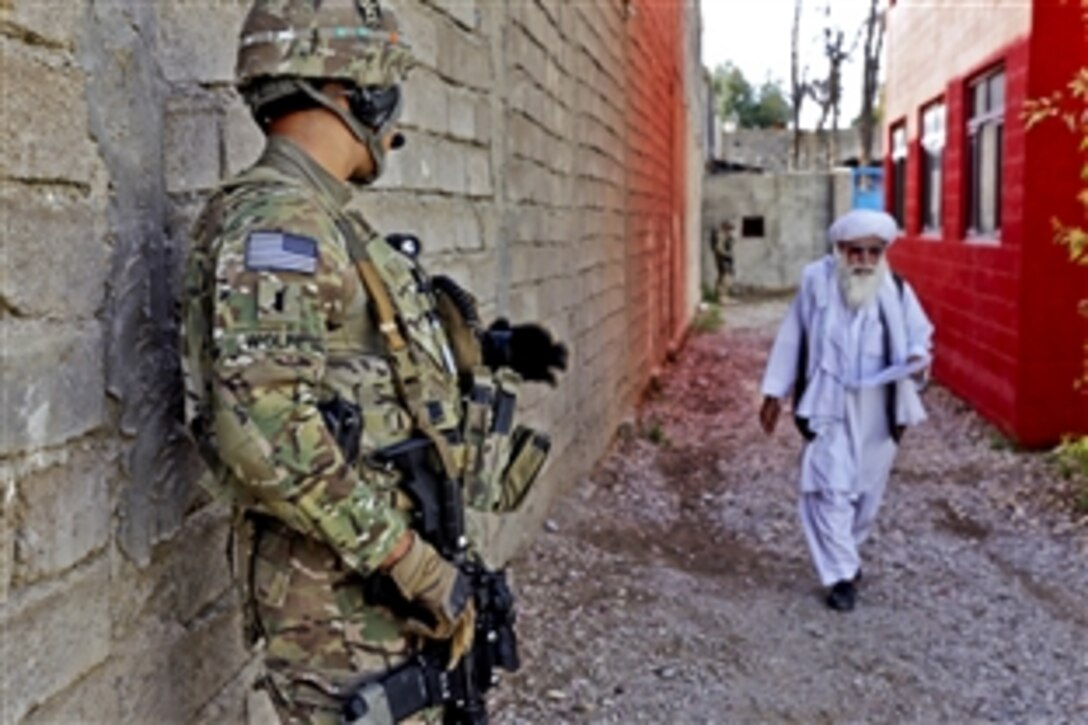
point(286, 156)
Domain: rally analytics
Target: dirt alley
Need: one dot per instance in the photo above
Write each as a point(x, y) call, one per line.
point(672, 585)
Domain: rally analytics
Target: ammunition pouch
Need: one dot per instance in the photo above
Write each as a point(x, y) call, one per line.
point(502, 461)
point(528, 452)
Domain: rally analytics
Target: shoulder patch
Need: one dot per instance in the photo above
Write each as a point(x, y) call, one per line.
point(268, 251)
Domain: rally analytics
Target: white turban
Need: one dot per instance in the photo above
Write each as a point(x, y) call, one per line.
point(860, 223)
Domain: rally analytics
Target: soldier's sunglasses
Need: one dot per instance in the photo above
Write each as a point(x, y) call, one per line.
point(375, 106)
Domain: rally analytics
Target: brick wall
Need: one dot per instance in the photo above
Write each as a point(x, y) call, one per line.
point(1054, 334)
point(547, 154)
point(1008, 334)
point(698, 105)
point(930, 42)
point(971, 287)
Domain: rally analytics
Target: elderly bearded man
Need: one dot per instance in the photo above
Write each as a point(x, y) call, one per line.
point(852, 345)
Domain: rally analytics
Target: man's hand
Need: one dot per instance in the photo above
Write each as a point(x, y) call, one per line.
point(921, 378)
point(529, 350)
point(768, 414)
point(436, 585)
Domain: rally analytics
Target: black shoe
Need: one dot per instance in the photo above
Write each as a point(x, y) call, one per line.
point(842, 596)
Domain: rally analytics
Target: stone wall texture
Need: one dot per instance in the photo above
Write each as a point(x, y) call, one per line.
point(796, 209)
point(552, 166)
point(771, 149)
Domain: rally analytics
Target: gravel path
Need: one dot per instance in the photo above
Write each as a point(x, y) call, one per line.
point(673, 585)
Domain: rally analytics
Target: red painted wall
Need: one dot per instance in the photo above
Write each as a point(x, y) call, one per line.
point(1008, 334)
point(1053, 332)
point(970, 289)
point(656, 170)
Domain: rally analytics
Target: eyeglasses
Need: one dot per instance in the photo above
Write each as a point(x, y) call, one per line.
point(856, 252)
point(375, 106)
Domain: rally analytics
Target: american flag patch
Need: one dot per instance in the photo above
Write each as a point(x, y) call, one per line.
point(280, 252)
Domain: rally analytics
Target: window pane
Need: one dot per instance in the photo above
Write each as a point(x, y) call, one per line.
point(973, 165)
point(925, 190)
point(931, 192)
point(999, 164)
point(751, 226)
point(899, 142)
point(997, 92)
point(988, 170)
point(899, 188)
point(933, 127)
point(978, 100)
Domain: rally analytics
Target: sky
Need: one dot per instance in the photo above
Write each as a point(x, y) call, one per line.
point(755, 36)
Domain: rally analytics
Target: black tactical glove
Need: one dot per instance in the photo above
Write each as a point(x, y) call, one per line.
point(529, 350)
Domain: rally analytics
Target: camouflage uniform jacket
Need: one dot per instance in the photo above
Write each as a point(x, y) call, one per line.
point(722, 245)
point(275, 323)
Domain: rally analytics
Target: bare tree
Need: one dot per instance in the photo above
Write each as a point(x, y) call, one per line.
point(827, 92)
point(798, 83)
point(874, 42)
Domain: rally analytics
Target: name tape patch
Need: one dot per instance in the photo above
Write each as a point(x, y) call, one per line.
point(281, 252)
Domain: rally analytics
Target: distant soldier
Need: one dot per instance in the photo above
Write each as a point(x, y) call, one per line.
point(721, 244)
point(850, 348)
point(349, 404)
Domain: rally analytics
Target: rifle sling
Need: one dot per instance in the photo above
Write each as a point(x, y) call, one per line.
point(405, 372)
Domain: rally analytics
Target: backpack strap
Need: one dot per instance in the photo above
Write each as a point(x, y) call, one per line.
point(799, 384)
point(891, 401)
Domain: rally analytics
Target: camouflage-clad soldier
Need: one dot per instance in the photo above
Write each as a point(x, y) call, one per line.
point(311, 344)
point(721, 245)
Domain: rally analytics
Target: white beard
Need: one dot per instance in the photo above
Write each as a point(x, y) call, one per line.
point(858, 287)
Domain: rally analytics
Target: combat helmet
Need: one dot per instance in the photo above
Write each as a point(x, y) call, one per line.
point(292, 47)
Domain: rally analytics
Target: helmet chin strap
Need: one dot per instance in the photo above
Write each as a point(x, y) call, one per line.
point(371, 138)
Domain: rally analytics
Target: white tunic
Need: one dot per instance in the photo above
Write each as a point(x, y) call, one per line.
point(845, 468)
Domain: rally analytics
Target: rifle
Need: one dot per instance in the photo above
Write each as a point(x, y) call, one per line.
point(423, 681)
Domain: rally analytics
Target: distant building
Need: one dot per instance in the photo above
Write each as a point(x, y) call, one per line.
point(780, 222)
point(975, 192)
point(771, 149)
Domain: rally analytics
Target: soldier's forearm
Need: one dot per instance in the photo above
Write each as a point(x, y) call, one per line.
point(404, 543)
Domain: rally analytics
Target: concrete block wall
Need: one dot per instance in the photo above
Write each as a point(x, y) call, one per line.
point(796, 208)
point(771, 149)
point(697, 103)
point(1009, 335)
point(533, 174)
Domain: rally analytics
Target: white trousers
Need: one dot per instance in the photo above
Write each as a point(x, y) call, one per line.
point(835, 526)
point(843, 477)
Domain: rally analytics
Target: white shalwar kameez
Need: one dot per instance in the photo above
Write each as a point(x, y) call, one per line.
point(844, 469)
